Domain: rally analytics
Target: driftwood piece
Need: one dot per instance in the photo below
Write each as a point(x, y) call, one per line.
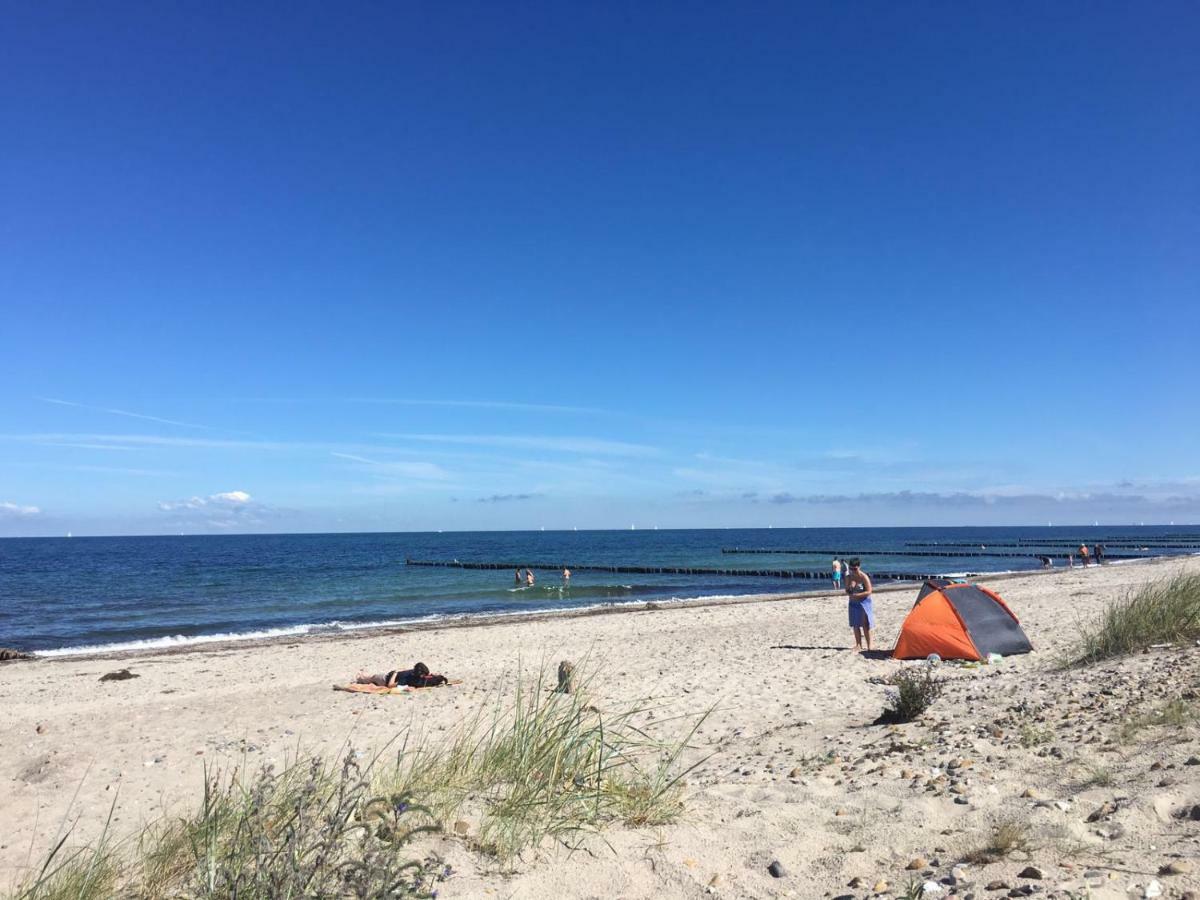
point(7, 654)
point(566, 677)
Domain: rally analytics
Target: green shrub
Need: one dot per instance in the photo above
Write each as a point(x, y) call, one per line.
point(1162, 612)
point(913, 691)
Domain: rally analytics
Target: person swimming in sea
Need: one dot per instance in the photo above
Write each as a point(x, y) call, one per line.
point(529, 577)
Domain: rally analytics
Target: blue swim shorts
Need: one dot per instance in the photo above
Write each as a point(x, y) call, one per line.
point(862, 613)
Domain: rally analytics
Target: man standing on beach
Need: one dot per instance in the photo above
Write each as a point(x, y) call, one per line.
point(862, 610)
point(1083, 554)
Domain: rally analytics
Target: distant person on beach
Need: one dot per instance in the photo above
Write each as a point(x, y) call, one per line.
point(566, 577)
point(529, 577)
point(1098, 552)
point(517, 579)
point(837, 574)
point(1083, 555)
point(862, 611)
point(418, 676)
point(1047, 562)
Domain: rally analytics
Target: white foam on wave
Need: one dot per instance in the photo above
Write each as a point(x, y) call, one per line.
point(168, 642)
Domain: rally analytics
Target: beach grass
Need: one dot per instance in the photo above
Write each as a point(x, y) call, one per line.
point(535, 766)
point(1162, 612)
point(1006, 838)
point(547, 765)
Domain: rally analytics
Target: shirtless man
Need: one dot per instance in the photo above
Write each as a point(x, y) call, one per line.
point(862, 611)
point(529, 577)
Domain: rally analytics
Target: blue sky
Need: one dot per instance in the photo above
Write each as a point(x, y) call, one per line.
point(291, 267)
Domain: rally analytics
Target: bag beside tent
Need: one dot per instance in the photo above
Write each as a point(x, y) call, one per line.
point(960, 621)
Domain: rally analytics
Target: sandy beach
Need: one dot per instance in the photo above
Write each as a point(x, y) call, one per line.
point(796, 772)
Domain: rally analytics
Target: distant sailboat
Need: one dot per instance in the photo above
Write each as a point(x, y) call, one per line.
point(68, 534)
point(633, 527)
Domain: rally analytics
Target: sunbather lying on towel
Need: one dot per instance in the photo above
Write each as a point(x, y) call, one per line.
point(418, 676)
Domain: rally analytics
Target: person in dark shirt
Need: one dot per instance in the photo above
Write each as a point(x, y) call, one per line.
point(418, 676)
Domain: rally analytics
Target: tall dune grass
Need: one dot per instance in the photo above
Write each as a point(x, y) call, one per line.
point(1162, 612)
point(535, 767)
point(546, 765)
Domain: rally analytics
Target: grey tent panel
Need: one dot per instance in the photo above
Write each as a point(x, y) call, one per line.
point(990, 626)
point(931, 586)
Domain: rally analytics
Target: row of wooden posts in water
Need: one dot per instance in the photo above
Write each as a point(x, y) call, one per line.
point(977, 553)
point(822, 575)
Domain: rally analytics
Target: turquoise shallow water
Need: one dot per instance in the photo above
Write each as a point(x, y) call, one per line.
point(62, 595)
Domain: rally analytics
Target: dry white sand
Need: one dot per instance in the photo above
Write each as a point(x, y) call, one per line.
point(797, 772)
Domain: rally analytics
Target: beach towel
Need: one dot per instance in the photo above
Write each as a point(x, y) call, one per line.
point(376, 689)
point(371, 689)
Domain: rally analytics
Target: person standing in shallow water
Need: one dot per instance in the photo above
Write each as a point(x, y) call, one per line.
point(862, 610)
point(837, 574)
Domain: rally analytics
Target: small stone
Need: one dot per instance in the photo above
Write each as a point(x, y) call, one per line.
point(997, 885)
point(840, 812)
point(856, 882)
point(1192, 761)
point(918, 862)
point(41, 729)
point(795, 773)
point(1153, 889)
point(931, 889)
point(1106, 809)
point(1176, 867)
point(881, 886)
point(1031, 872)
point(461, 827)
point(776, 869)
point(715, 880)
point(119, 675)
point(1032, 794)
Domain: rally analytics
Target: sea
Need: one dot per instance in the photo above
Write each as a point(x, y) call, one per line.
point(61, 596)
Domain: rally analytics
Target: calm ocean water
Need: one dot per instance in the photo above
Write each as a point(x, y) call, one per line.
point(64, 595)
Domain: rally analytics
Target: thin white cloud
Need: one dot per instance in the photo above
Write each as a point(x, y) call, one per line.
point(597, 446)
point(422, 470)
point(122, 412)
point(18, 511)
point(88, 446)
point(511, 406)
point(155, 440)
point(228, 500)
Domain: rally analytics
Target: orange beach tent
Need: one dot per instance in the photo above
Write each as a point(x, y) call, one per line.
point(959, 621)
